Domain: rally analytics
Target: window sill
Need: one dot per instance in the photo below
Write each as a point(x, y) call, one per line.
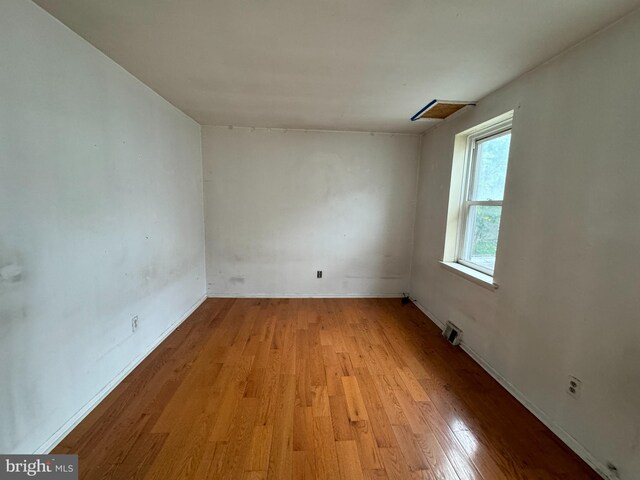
point(470, 274)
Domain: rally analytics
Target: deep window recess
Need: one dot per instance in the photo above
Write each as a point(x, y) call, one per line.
point(487, 155)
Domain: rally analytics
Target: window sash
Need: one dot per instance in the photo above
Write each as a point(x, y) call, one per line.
point(465, 251)
point(490, 203)
point(475, 142)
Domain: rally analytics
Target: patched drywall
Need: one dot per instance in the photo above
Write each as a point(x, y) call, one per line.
point(282, 204)
point(101, 220)
point(567, 264)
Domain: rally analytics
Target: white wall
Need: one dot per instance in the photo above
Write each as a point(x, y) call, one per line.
point(280, 205)
point(100, 220)
point(568, 269)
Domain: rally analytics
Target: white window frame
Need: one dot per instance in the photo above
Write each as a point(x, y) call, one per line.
point(469, 174)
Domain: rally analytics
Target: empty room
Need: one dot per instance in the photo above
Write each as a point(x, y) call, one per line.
point(319, 239)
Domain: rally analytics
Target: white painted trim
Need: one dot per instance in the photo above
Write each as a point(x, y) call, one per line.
point(493, 128)
point(315, 130)
point(73, 422)
point(304, 295)
point(471, 274)
point(562, 434)
point(428, 314)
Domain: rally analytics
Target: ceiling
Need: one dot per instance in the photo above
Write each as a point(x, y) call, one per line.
point(364, 65)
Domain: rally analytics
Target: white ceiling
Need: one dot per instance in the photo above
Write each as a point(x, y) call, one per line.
point(329, 64)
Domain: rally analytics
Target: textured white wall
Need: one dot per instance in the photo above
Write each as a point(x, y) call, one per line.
point(280, 205)
point(568, 270)
point(100, 220)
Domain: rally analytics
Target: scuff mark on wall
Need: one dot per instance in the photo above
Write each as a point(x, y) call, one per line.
point(101, 213)
point(11, 272)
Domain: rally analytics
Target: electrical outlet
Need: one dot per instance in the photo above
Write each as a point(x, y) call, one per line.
point(134, 324)
point(575, 386)
point(319, 274)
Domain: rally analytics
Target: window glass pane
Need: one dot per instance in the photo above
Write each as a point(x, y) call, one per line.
point(491, 167)
point(482, 235)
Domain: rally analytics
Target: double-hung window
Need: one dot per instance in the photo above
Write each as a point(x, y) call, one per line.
point(487, 155)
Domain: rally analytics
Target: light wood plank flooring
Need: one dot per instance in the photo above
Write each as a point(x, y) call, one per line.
point(314, 388)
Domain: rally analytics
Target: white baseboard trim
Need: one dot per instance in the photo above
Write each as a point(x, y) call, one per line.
point(562, 434)
point(303, 295)
point(73, 422)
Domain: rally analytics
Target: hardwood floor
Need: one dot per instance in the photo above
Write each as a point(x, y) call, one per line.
point(314, 388)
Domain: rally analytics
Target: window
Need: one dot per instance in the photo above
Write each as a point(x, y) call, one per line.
point(476, 194)
point(485, 171)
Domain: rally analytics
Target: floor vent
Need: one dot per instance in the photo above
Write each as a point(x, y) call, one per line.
point(452, 333)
